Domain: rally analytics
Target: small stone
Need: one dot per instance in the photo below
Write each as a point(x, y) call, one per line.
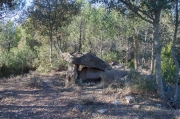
point(159, 105)
point(129, 99)
point(136, 106)
point(116, 103)
point(101, 111)
point(19, 113)
point(93, 114)
point(77, 109)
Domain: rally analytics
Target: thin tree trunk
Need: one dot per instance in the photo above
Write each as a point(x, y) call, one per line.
point(144, 54)
point(158, 54)
point(135, 52)
point(9, 46)
point(127, 53)
point(101, 44)
point(59, 43)
point(22, 68)
point(176, 77)
point(80, 37)
point(83, 35)
point(50, 56)
point(152, 58)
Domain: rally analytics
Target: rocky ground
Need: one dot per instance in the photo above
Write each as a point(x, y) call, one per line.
point(48, 98)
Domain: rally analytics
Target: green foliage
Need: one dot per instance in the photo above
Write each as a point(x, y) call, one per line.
point(168, 66)
point(140, 84)
point(42, 61)
point(17, 56)
point(111, 56)
point(50, 16)
point(131, 64)
point(17, 61)
point(7, 36)
point(95, 30)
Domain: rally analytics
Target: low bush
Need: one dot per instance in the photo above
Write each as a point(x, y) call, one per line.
point(17, 61)
point(87, 100)
point(42, 62)
point(140, 84)
point(111, 56)
point(112, 78)
point(168, 66)
point(34, 81)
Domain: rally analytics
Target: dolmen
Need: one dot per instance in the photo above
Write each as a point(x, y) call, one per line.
point(84, 67)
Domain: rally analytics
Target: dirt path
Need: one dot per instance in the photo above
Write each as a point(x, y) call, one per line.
point(53, 101)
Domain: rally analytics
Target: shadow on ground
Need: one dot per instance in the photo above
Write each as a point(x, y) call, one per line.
point(56, 102)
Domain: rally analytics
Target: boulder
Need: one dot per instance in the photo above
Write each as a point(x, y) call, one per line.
point(71, 74)
point(90, 74)
point(89, 60)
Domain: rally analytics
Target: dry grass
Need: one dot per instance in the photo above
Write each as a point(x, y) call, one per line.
point(34, 81)
point(87, 100)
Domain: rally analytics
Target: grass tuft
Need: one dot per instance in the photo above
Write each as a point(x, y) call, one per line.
point(35, 81)
point(87, 100)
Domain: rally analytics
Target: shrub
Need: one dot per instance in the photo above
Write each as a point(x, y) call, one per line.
point(87, 100)
point(112, 78)
point(16, 61)
point(111, 56)
point(168, 66)
point(140, 84)
point(35, 81)
point(130, 64)
point(42, 61)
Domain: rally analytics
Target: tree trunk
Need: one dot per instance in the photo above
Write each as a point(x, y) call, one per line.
point(135, 52)
point(158, 54)
point(144, 54)
point(50, 49)
point(101, 38)
point(9, 46)
point(80, 37)
point(173, 52)
point(152, 58)
point(176, 77)
point(59, 43)
point(127, 53)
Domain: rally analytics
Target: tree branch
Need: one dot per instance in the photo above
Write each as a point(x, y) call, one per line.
point(137, 10)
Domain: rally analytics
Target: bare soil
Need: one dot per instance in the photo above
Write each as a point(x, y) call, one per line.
point(55, 101)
